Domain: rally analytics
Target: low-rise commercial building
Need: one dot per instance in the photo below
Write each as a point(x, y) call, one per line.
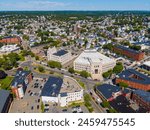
point(6, 49)
point(5, 101)
point(110, 92)
point(61, 56)
point(62, 91)
point(146, 65)
point(134, 79)
point(122, 105)
point(8, 40)
point(133, 54)
point(94, 63)
point(20, 83)
point(142, 98)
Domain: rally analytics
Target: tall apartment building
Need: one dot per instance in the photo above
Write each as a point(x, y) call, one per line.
point(61, 56)
point(94, 63)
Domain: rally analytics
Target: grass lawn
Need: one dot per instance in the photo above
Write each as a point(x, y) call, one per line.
point(5, 83)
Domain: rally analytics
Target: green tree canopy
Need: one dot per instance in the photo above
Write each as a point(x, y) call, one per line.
point(54, 64)
point(84, 74)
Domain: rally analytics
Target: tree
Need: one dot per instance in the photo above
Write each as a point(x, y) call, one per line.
point(105, 104)
point(108, 46)
point(41, 69)
point(135, 47)
point(26, 37)
point(123, 84)
point(84, 74)
point(2, 74)
point(107, 74)
point(71, 70)
point(54, 64)
point(125, 43)
point(149, 30)
point(118, 68)
point(37, 58)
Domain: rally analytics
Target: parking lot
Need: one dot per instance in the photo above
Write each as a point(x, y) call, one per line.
point(31, 102)
point(54, 108)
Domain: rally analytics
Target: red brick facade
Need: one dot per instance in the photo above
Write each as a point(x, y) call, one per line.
point(15, 89)
point(135, 56)
point(15, 40)
point(141, 102)
point(134, 84)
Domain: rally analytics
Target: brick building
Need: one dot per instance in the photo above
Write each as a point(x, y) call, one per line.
point(8, 40)
point(110, 92)
point(133, 54)
point(134, 79)
point(142, 98)
point(20, 83)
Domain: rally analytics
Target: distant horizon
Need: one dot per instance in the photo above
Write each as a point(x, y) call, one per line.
point(76, 5)
point(73, 10)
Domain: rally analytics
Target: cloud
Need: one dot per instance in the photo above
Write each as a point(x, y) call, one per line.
point(47, 3)
point(34, 5)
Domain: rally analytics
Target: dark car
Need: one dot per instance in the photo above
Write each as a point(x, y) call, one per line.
point(29, 91)
point(74, 112)
point(64, 110)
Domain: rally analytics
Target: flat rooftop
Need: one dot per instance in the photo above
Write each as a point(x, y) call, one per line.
point(134, 76)
point(55, 86)
point(147, 63)
point(143, 94)
point(70, 85)
point(6, 48)
point(107, 90)
point(20, 77)
point(4, 94)
point(92, 56)
point(60, 53)
point(122, 105)
point(52, 87)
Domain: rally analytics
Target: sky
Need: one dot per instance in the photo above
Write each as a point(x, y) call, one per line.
point(13, 5)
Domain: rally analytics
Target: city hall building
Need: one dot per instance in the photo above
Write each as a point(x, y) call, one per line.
point(94, 63)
